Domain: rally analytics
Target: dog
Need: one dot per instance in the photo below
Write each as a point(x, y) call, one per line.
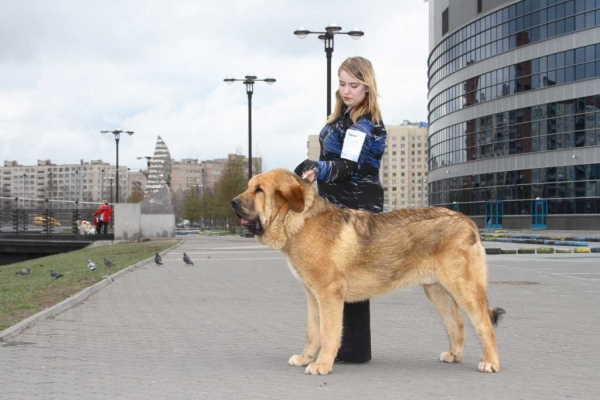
point(342, 255)
point(85, 227)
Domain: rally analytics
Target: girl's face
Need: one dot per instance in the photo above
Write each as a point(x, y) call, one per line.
point(351, 91)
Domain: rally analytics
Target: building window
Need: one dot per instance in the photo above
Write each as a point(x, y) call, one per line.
point(445, 22)
point(479, 6)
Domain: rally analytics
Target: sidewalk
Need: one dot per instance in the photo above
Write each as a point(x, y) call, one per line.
point(225, 328)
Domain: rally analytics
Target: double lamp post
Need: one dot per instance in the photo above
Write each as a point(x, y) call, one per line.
point(249, 82)
point(328, 39)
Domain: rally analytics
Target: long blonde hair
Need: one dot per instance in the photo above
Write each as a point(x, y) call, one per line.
point(360, 69)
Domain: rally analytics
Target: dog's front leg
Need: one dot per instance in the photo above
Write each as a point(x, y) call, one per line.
point(313, 340)
point(331, 310)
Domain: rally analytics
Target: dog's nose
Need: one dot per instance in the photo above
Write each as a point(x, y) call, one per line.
point(235, 203)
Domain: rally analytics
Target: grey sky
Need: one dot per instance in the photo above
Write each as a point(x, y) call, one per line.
point(69, 69)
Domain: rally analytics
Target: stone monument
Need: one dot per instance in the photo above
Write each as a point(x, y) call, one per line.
point(154, 216)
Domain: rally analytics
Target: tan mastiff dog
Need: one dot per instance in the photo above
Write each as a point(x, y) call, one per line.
point(348, 255)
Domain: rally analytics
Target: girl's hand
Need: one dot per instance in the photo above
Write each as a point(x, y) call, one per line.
point(309, 176)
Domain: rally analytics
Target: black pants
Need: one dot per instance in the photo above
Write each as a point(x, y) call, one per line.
point(102, 227)
point(356, 336)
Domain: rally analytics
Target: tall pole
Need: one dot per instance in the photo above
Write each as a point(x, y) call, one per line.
point(327, 38)
point(102, 185)
point(117, 134)
point(249, 82)
point(328, 53)
point(249, 91)
point(117, 173)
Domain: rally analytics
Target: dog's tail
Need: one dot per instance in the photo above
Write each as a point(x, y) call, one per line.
point(496, 315)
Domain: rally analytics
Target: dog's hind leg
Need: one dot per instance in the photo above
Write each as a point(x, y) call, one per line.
point(313, 340)
point(448, 309)
point(470, 294)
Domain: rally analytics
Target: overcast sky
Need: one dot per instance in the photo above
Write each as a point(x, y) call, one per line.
point(69, 69)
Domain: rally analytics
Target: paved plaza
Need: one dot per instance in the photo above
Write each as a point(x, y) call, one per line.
point(225, 328)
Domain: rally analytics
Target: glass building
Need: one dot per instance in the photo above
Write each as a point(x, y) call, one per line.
point(514, 109)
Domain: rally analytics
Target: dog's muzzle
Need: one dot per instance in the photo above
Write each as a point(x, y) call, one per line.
point(253, 227)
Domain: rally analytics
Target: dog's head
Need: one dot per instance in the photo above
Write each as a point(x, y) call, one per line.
point(268, 196)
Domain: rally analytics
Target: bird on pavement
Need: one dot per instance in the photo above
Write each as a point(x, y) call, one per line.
point(24, 271)
point(55, 274)
point(158, 260)
point(108, 263)
point(91, 265)
point(187, 260)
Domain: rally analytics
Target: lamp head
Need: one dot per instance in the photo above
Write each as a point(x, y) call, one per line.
point(333, 28)
point(229, 80)
point(301, 32)
point(129, 132)
point(356, 34)
point(270, 80)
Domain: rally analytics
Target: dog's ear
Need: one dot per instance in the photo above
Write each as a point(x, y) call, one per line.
point(294, 196)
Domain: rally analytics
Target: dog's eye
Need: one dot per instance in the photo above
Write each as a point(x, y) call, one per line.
point(258, 190)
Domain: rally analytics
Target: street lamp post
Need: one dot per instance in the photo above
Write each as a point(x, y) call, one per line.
point(249, 82)
point(111, 191)
point(117, 134)
point(101, 184)
point(327, 38)
point(148, 158)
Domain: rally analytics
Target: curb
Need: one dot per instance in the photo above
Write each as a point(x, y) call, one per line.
point(541, 250)
point(77, 298)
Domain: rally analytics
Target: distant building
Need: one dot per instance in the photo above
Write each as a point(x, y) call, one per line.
point(85, 182)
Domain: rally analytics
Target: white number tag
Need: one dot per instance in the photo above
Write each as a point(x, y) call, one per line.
point(353, 144)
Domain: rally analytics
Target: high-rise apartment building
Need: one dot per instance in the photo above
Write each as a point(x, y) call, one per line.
point(85, 182)
point(514, 109)
point(403, 171)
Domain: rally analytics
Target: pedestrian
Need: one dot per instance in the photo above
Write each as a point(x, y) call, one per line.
point(347, 174)
point(103, 214)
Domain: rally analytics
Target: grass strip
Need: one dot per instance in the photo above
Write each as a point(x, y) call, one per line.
point(22, 296)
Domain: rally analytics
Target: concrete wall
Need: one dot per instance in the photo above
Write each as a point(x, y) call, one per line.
point(155, 226)
point(127, 221)
point(131, 224)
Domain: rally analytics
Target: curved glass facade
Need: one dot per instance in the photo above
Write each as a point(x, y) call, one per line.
point(553, 69)
point(553, 126)
point(517, 25)
point(542, 145)
point(572, 189)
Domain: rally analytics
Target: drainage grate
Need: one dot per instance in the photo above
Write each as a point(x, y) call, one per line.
point(515, 283)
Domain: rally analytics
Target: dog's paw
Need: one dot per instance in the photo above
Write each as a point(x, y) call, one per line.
point(299, 361)
point(449, 357)
point(488, 367)
point(318, 368)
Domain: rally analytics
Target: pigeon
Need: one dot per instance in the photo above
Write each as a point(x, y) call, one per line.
point(24, 271)
point(108, 263)
point(158, 259)
point(91, 265)
point(55, 274)
point(187, 260)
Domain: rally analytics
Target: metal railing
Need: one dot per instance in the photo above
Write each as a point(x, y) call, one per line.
point(16, 218)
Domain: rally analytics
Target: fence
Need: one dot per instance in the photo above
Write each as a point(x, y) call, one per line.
point(17, 215)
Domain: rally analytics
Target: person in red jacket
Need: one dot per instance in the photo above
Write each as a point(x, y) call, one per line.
point(103, 214)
